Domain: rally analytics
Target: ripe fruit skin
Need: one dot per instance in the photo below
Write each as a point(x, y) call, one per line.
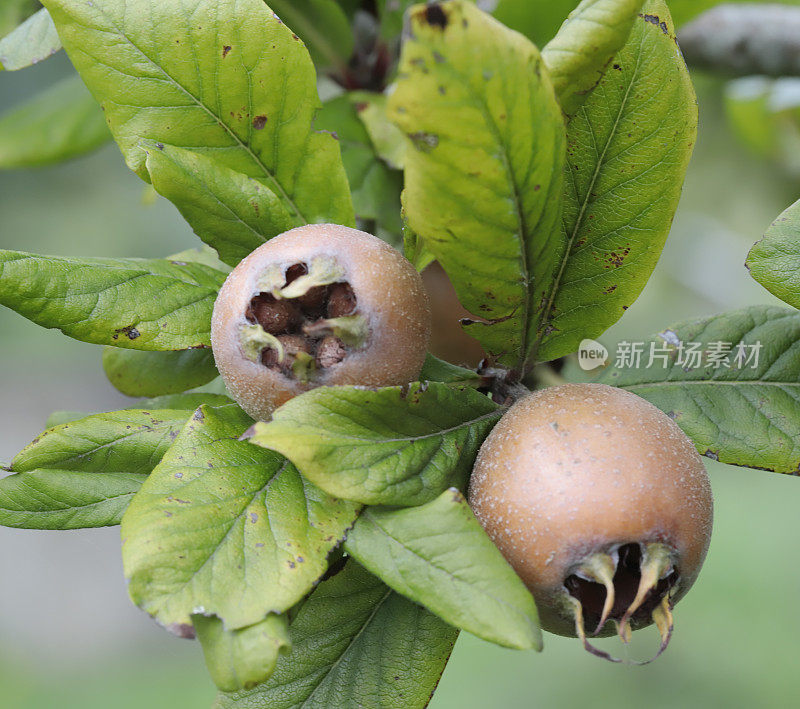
point(388, 293)
point(580, 469)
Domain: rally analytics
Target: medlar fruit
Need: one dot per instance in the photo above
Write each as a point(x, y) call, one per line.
point(600, 503)
point(318, 305)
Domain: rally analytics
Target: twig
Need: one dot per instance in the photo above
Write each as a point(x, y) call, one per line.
point(742, 40)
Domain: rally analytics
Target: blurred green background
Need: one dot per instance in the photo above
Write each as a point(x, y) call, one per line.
point(69, 638)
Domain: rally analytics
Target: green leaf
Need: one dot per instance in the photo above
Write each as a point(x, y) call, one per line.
point(59, 417)
point(324, 28)
point(110, 301)
point(437, 370)
point(391, 446)
point(179, 402)
point(750, 113)
point(33, 41)
point(684, 10)
point(243, 658)
point(188, 402)
point(740, 413)
point(129, 441)
point(142, 373)
point(222, 527)
point(14, 12)
point(414, 248)
point(66, 499)
point(628, 149)
point(439, 556)
point(60, 123)
point(375, 186)
point(350, 7)
point(579, 54)
point(390, 13)
point(539, 21)
point(228, 210)
point(355, 644)
point(203, 254)
point(388, 140)
point(483, 191)
point(227, 79)
point(775, 260)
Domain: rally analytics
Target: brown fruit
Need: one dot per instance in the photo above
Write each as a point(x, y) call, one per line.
point(600, 503)
point(376, 332)
point(448, 339)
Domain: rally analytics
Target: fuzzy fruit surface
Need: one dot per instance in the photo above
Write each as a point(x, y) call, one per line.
point(578, 470)
point(372, 285)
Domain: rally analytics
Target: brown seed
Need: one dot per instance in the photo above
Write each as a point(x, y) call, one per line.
point(295, 271)
point(269, 358)
point(313, 301)
point(292, 344)
point(342, 300)
point(275, 316)
point(330, 351)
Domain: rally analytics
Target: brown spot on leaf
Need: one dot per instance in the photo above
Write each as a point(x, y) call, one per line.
point(130, 332)
point(615, 258)
point(656, 20)
point(227, 48)
point(424, 142)
point(259, 122)
point(435, 16)
point(182, 630)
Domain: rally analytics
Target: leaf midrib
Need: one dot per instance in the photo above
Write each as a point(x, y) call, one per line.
point(408, 439)
point(141, 430)
point(456, 579)
point(584, 206)
point(350, 644)
point(522, 228)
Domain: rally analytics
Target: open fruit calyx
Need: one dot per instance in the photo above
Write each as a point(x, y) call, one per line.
point(303, 320)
